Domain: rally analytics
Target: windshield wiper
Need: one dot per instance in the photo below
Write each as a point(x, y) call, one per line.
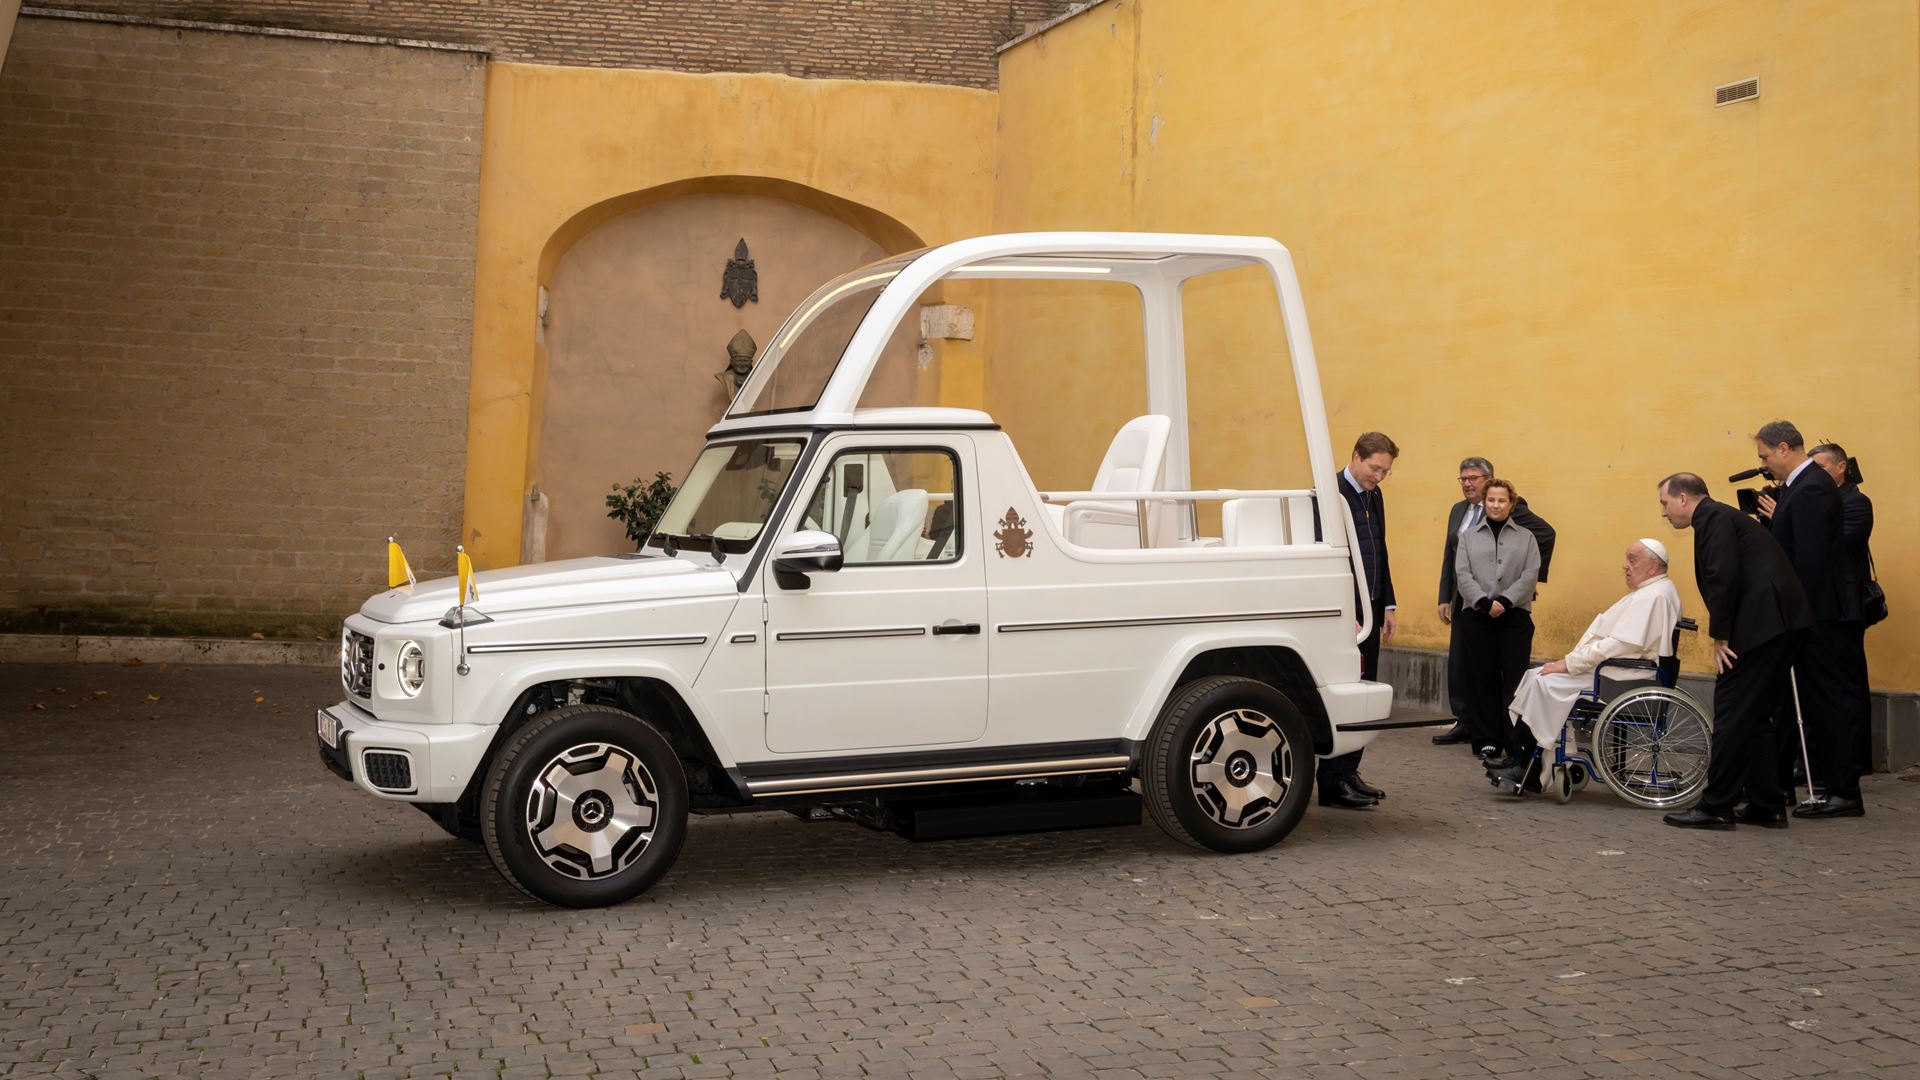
point(713, 544)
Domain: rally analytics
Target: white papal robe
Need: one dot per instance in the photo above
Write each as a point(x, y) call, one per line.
point(1639, 626)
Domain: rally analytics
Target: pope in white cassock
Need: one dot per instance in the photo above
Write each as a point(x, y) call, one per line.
point(1637, 627)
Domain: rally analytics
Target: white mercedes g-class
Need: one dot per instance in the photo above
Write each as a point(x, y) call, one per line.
point(871, 614)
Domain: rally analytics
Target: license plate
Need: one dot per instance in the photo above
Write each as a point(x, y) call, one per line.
point(329, 728)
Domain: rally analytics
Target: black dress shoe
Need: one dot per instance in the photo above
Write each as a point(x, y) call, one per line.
point(1697, 818)
point(1341, 793)
point(1509, 779)
point(1505, 761)
point(1489, 752)
point(1451, 736)
point(1775, 818)
point(1832, 806)
point(1364, 788)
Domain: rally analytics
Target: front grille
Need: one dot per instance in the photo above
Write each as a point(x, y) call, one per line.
point(388, 771)
point(356, 664)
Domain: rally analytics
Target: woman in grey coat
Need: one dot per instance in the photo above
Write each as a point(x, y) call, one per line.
point(1496, 566)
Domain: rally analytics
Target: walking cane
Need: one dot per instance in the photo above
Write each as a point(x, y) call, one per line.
point(1806, 758)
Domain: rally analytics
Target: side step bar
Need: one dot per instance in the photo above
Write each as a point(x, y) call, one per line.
point(1405, 720)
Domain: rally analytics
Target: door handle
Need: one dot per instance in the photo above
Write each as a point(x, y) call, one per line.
point(955, 626)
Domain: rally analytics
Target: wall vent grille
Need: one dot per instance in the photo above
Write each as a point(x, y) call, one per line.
point(1734, 93)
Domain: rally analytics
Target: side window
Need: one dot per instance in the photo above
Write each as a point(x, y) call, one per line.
point(890, 506)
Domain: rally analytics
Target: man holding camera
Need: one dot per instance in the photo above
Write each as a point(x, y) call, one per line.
point(1757, 615)
point(1467, 513)
point(1805, 517)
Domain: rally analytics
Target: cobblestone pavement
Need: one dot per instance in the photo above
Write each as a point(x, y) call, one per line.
point(184, 891)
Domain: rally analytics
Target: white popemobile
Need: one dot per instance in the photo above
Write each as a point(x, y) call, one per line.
point(870, 614)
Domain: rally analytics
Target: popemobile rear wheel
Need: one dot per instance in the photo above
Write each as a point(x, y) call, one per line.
point(585, 806)
point(1229, 765)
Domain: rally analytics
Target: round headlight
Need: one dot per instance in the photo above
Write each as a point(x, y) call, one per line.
point(412, 666)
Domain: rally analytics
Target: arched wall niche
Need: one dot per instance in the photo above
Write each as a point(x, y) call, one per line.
point(635, 331)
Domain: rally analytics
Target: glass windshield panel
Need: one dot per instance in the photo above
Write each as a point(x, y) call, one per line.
point(793, 372)
point(729, 493)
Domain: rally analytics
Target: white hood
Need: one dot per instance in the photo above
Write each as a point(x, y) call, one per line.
point(599, 579)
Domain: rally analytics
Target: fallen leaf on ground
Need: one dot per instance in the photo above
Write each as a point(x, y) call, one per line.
point(258, 700)
point(257, 636)
point(59, 689)
point(151, 698)
point(40, 705)
point(134, 661)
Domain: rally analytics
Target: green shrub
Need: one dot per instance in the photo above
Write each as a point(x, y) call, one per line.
point(638, 506)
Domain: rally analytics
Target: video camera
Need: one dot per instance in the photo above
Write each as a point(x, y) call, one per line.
point(1749, 498)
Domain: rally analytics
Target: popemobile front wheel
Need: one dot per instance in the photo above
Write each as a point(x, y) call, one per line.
point(1229, 765)
point(585, 806)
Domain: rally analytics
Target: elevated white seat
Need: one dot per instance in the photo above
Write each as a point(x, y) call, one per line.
point(1253, 522)
point(1135, 461)
point(896, 525)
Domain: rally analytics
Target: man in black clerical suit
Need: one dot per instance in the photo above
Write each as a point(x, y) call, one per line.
point(1757, 616)
point(1468, 512)
point(1807, 522)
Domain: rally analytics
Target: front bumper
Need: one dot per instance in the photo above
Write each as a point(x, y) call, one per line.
point(442, 757)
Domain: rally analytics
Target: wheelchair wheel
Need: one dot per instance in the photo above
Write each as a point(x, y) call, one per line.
point(1651, 746)
point(1561, 785)
point(1578, 776)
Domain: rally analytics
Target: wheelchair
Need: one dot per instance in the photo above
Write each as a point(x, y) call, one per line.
point(1650, 744)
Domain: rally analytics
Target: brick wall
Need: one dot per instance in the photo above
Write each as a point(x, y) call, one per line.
point(939, 41)
point(236, 279)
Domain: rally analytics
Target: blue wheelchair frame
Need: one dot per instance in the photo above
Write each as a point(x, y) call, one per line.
point(1588, 707)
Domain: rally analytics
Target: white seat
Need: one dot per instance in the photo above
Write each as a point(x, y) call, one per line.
point(1135, 461)
point(1253, 522)
point(896, 525)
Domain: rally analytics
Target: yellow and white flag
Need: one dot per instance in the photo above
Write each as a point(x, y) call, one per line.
point(398, 572)
point(468, 593)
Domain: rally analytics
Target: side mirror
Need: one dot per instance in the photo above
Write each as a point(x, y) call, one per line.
point(808, 551)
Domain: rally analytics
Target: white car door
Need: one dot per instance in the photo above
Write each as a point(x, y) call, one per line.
point(888, 651)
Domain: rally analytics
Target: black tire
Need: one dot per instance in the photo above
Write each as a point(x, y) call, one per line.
point(1197, 722)
point(619, 764)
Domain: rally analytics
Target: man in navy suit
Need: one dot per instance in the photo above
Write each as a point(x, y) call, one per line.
point(1807, 521)
point(1757, 616)
point(1359, 484)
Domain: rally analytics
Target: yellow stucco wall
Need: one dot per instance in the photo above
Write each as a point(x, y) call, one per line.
point(1523, 231)
point(567, 148)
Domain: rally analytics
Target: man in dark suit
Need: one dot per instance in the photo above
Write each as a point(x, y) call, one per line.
point(1474, 474)
point(1359, 484)
point(1757, 616)
point(1856, 532)
point(1807, 522)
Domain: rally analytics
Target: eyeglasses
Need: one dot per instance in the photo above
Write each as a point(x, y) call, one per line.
point(1472, 478)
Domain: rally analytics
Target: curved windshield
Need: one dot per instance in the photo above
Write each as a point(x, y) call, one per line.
point(793, 372)
point(729, 493)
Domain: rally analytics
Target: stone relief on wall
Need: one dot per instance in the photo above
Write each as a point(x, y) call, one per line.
point(740, 283)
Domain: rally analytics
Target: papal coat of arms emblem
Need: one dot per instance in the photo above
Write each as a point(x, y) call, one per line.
point(1013, 539)
point(740, 283)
